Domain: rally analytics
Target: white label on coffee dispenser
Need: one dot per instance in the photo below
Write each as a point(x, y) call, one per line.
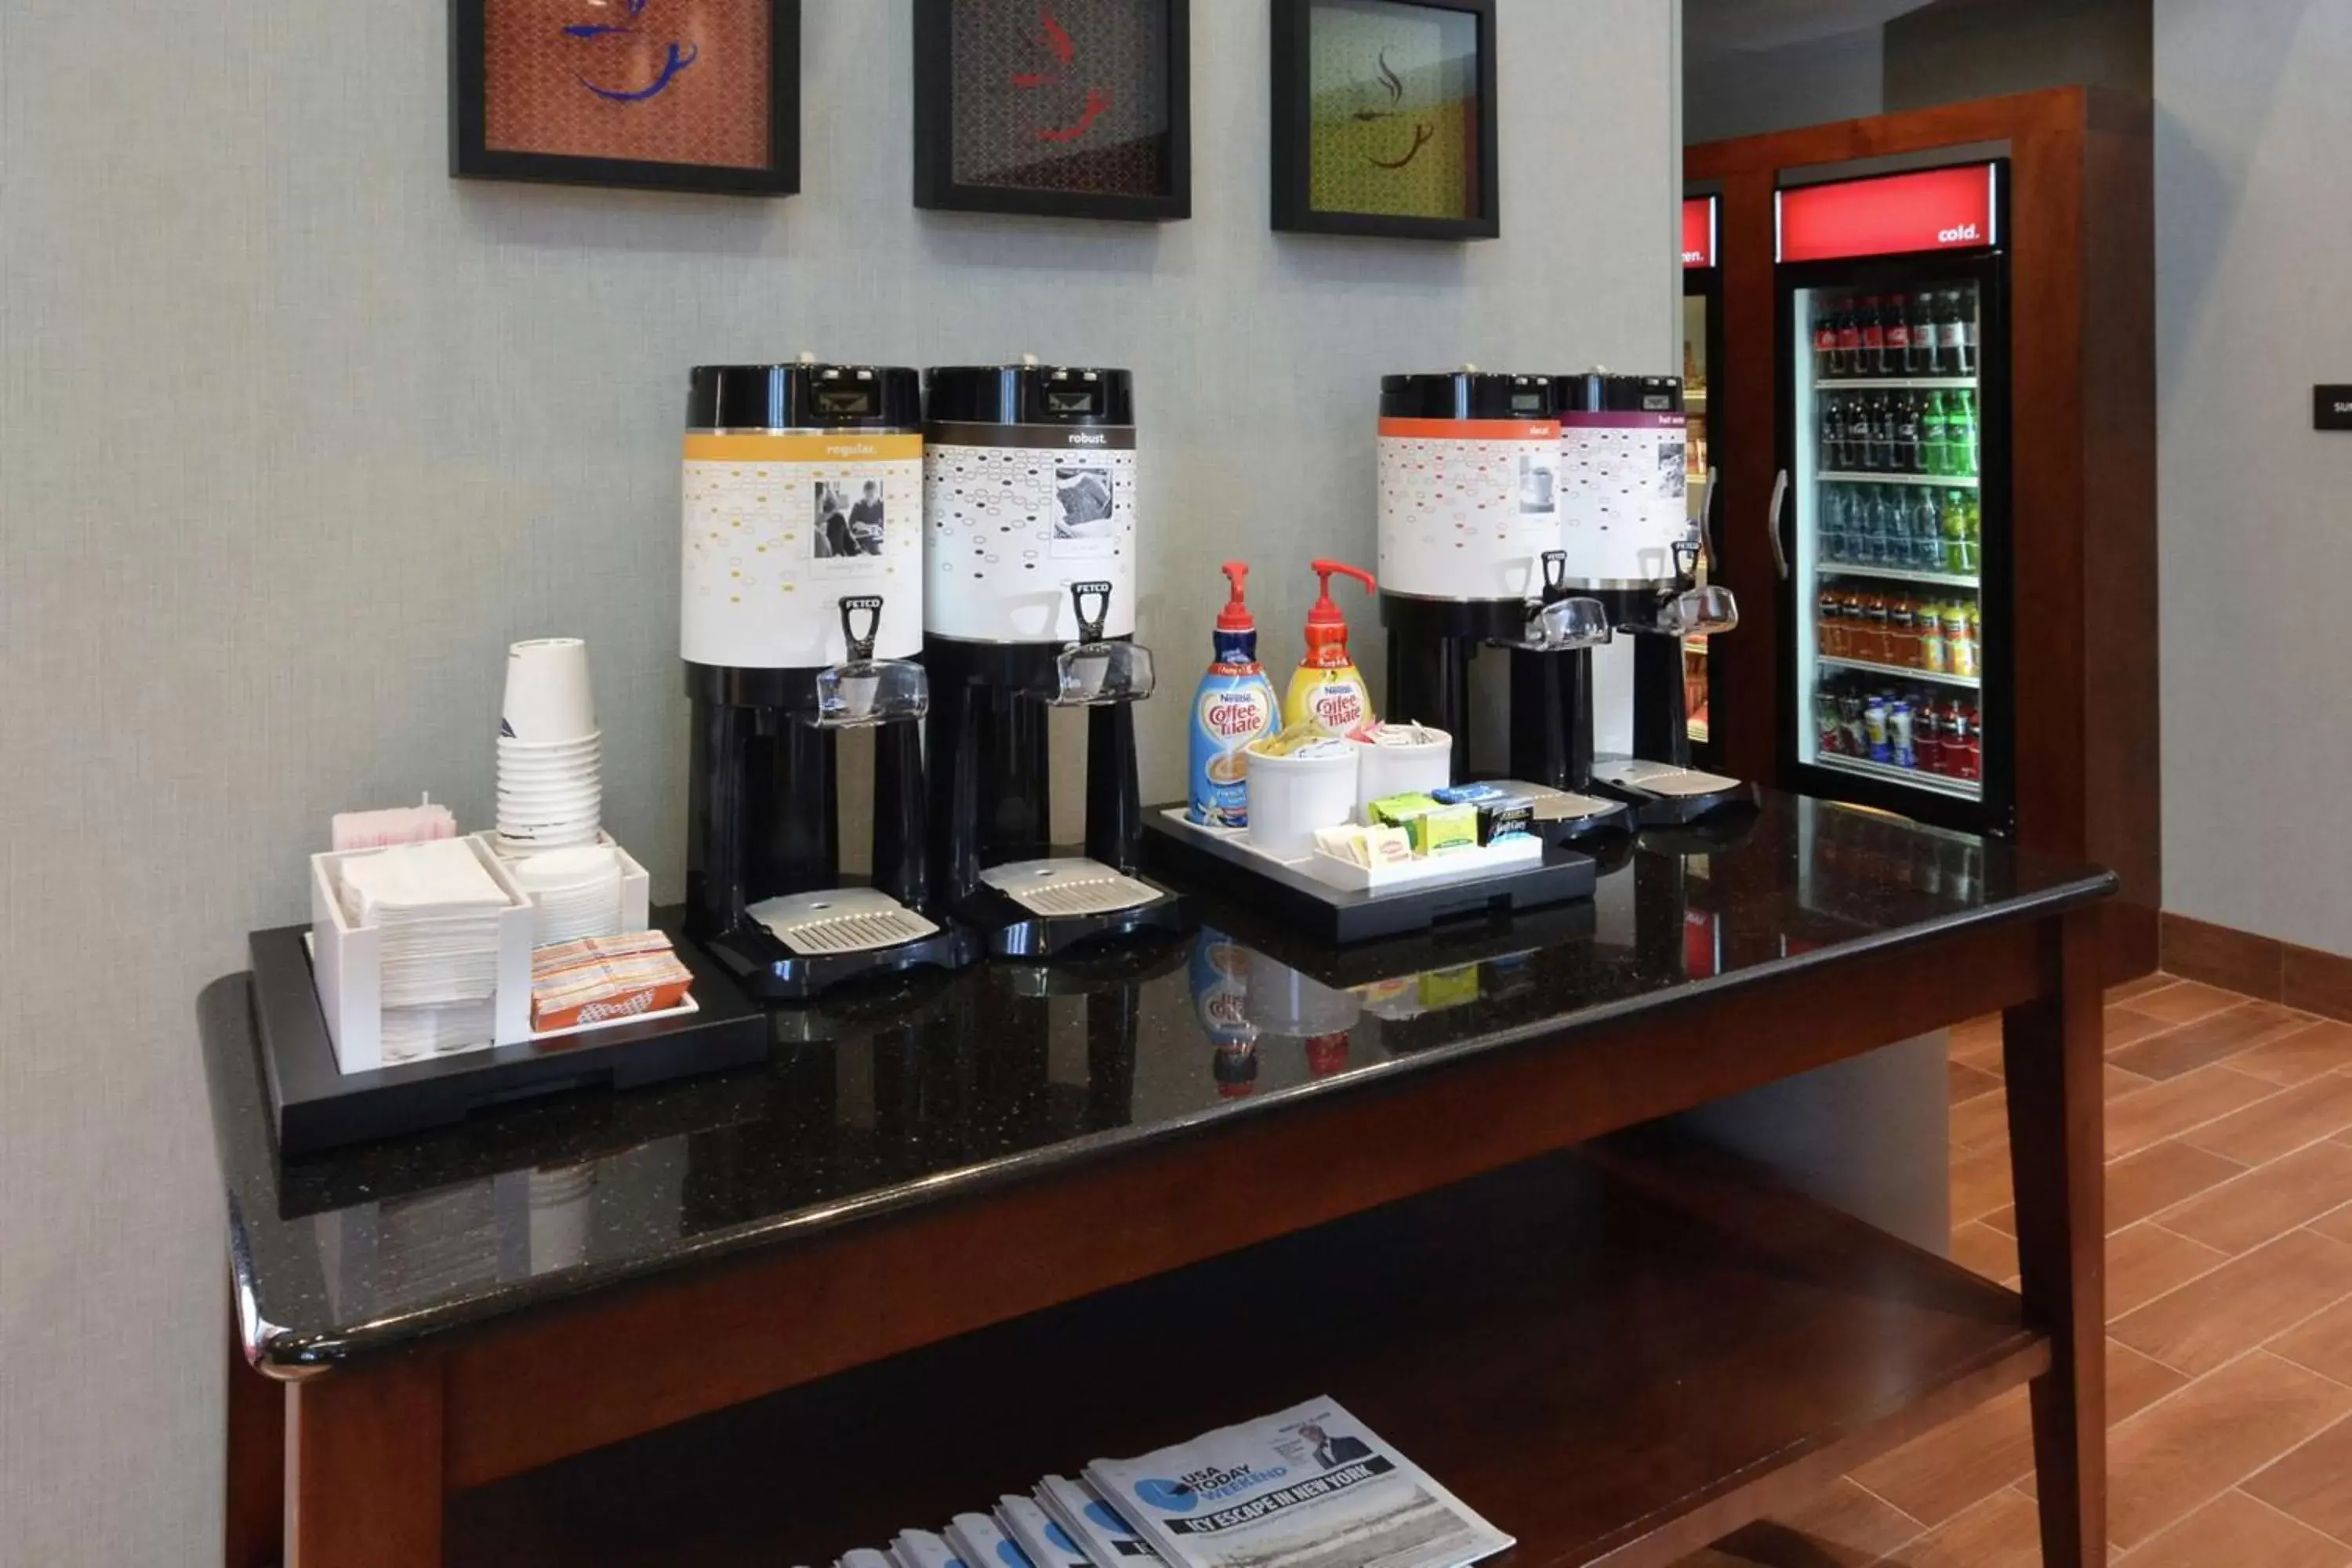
point(1623, 494)
point(780, 528)
point(1013, 515)
point(1467, 507)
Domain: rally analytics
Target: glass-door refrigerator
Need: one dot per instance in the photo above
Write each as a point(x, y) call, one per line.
point(1702, 354)
point(1890, 518)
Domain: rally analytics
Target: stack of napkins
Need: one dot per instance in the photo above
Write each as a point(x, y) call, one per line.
point(438, 911)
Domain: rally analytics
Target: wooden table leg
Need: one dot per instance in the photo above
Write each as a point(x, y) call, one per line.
point(2050, 1051)
point(363, 1467)
point(255, 1516)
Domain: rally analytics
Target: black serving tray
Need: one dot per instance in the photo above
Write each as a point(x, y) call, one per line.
point(1321, 912)
point(315, 1106)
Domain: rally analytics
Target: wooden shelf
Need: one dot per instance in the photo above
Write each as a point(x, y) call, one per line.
point(1617, 1354)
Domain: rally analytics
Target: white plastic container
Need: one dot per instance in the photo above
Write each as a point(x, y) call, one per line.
point(1384, 771)
point(1290, 797)
point(347, 964)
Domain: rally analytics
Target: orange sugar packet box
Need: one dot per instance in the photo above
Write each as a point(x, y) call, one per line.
point(599, 978)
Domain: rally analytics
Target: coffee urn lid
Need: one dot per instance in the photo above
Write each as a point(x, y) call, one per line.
point(1608, 392)
point(1029, 393)
point(1467, 394)
point(803, 396)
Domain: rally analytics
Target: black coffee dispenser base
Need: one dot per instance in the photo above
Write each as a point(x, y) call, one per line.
point(1013, 932)
point(768, 971)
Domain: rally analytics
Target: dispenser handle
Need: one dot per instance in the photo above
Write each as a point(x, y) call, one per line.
point(1772, 523)
point(1090, 625)
point(861, 645)
point(1555, 574)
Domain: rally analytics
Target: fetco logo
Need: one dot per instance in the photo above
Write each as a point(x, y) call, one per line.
point(1088, 438)
point(1967, 231)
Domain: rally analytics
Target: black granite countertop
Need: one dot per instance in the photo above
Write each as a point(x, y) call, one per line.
point(952, 1083)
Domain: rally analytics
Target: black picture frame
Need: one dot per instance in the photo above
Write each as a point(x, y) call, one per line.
point(936, 186)
point(1292, 57)
point(471, 157)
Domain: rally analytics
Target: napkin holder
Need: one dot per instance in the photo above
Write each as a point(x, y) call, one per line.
point(347, 959)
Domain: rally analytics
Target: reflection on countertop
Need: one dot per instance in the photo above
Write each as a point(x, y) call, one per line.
point(942, 1085)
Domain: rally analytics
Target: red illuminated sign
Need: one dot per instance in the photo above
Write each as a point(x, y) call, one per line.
point(1941, 210)
point(1698, 232)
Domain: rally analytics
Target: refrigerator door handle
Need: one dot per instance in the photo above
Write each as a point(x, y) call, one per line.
point(1708, 563)
point(1780, 496)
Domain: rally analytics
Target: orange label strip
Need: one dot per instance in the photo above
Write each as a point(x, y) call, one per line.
point(1472, 429)
point(833, 446)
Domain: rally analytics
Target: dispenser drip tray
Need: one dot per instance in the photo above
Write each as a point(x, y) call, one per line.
point(1661, 778)
point(1060, 889)
point(844, 920)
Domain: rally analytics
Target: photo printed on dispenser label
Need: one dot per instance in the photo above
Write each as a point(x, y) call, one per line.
point(1623, 495)
point(1467, 507)
point(780, 528)
point(1013, 515)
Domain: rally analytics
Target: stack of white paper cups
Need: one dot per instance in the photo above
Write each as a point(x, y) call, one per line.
point(551, 789)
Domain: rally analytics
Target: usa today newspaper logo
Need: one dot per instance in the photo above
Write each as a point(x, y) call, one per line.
point(1188, 1493)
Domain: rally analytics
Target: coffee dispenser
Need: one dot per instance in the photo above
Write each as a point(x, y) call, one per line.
point(1029, 565)
point(801, 616)
point(1470, 555)
point(1630, 546)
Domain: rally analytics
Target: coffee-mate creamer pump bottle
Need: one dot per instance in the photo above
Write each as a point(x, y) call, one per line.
point(1235, 706)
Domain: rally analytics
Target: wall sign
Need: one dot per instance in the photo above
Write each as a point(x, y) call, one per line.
point(1699, 231)
point(1059, 108)
point(1938, 209)
point(682, 95)
point(1384, 118)
point(2331, 407)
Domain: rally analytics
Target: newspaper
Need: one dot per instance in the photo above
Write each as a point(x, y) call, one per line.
point(1311, 1487)
point(1101, 1531)
point(1039, 1535)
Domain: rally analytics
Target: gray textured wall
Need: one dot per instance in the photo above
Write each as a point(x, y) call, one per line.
point(296, 434)
point(2252, 233)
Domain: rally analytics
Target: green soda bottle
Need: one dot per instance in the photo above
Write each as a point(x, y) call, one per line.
point(1934, 435)
point(1961, 436)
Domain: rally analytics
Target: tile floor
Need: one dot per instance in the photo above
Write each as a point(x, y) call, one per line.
point(2229, 1311)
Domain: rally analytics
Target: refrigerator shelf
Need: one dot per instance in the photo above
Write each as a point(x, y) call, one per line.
point(1841, 476)
point(1902, 672)
point(1935, 784)
point(1896, 383)
point(1902, 574)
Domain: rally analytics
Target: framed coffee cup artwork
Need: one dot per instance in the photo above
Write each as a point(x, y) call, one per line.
point(679, 95)
point(1055, 108)
point(1384, 118)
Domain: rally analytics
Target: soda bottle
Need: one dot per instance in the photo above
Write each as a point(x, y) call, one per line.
point(1964, 306)
point(1952, 357)
point(1976, 638)
point(1973, 515)
point(1825, 340)
point(1934, 435)
point(1899, 737)
point(1896, 360)
point(1927, 738)
point(1829, 622)
point(1931, 639)
point(1836, 545)
point(1919, 358)
point(1850, 716)
point(1907, 456)
point(1849, 360)
point(1961, 433)
point(1857, 433)
point(1959, 640)
point(1926, 530)
point(1828, 731)
point(1955, 530)
point(1833, 434)
point(1873, 337)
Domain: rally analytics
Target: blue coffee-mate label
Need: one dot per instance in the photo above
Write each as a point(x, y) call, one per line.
point(1231, 709)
